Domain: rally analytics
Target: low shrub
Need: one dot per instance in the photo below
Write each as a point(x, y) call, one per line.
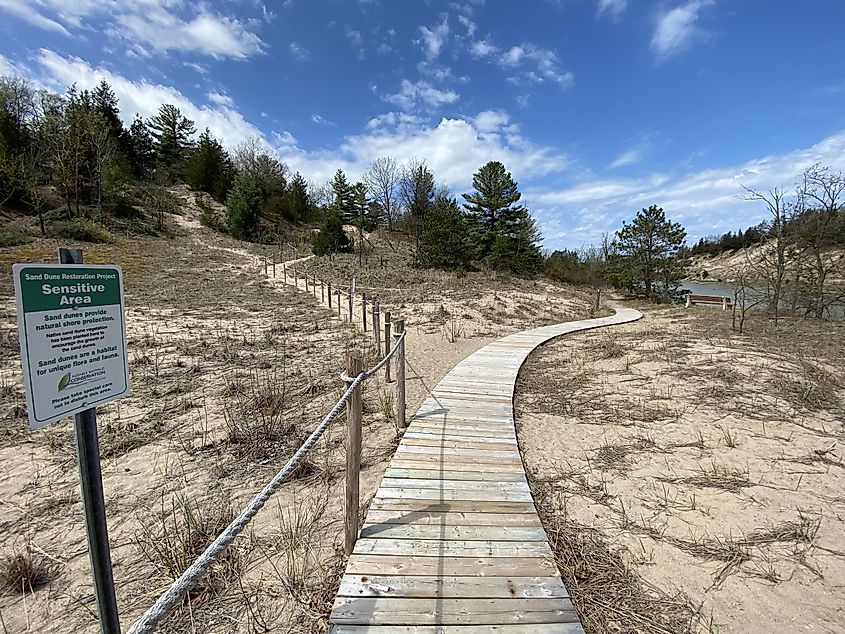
point(83, 230)
point(13, 238)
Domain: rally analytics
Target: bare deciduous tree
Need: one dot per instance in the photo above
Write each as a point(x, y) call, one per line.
point(774, 259)
point(382, 179)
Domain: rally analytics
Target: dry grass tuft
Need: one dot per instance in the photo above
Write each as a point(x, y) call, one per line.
point(23, 571)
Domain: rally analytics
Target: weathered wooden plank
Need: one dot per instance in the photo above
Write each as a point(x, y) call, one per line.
point(452, 518)
point(533, 628)
point(457, 435)
point(452, 587)
point(459, 444)
point(440, 474)
point(411, 565)
point(457, 548)
point(475, 453)
point(446, 484)
point(449, 495)
point(466, 533)
point(452, 464)
point(396, 611)
point(452, 506)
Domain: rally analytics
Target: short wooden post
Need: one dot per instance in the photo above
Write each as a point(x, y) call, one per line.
point(305, 277)
point(377, 325)
point(314, 284)
point(351, 316)
point(364, 311)
point(295, 280)
point(274, 268)
point(338, 305)
point(724, 303)
point(285, 272)
point(688, 301)
point(598, 299)
point(354, 365)
point(387, 345)
point(398, 329)
point(265, 266)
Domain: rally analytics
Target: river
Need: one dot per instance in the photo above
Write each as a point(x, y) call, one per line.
point(718, 288)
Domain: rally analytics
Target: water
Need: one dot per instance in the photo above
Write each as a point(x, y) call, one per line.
point(753, 294)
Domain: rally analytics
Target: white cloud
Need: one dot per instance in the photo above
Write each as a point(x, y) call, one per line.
point(490, 120)
point(147, 26)
point(143, 97)
point(628, 157)
point(413, 94)
point(322, 120)
point(705, 202)
point(454, 148)
point(483, 48)
point(356, 39)
point(28, 13)
point(612, 8)
point(432, 39)
point(9, 67)
point(546, 66)
point(677, 29)
point(469, 25)
point(299, 52)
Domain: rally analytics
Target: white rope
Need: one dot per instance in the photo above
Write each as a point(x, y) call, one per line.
point(167, 601)
point(378, 366)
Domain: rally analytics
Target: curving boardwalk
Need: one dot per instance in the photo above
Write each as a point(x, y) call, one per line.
point(452, 541)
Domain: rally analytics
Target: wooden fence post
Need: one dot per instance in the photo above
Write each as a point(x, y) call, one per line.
point(400, 374)
point(329, 284)
point(285, 272)
point(364, 310)
point(351, 316)
point(387, 345)
point(295, 280)
point(377, 325)
point(598, 299)
point(314, 284)
point(322, 292)
point(338, 305)
point(265, 266)
point(354, 365)
point(305, 277)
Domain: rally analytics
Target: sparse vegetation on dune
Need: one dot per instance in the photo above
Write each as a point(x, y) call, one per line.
point(688, 476)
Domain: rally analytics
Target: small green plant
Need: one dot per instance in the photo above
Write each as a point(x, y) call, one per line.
point(83, 230)
point(728, 436)
point(13, 238)
point(386, 405)
point(460, 272)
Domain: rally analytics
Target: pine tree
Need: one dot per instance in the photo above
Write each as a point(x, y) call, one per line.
point(209, 168)
point(172, 132)
point(243, 207)
point(331, 238)
point(444, 239)
point(343, 202)
point(105, 102)
point(492, 208)
point(141, 149)
point(648, 250)
point(299, 200)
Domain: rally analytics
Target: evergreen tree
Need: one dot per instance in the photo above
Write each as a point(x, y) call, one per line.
point(105, 102)
point(648, 252)
point(299, 200)
point(343, 197)
point(141, 149)
point(209, 168)
point(444, 239)
point(172, 132)
point(243, 207)
point(331, 238)
point(492, 207)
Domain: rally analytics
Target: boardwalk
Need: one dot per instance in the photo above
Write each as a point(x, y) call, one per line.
point(452, 541)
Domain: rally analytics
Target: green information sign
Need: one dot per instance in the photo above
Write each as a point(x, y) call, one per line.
point(73, 338)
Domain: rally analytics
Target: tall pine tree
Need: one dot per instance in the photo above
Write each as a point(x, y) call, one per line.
point(492, 208)
point(209, 168)
point(172, 132)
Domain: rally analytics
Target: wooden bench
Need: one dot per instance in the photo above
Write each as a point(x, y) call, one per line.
point(722, 300)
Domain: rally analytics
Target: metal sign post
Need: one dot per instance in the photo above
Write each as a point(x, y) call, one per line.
point(93, 501)
point(73, 354)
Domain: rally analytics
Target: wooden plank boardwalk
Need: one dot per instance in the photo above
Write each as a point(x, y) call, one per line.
point(452, 541)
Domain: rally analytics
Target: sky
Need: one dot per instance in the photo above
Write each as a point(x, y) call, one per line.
point(597, 107)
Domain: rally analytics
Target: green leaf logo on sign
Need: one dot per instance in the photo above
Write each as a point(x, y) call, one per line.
point(64, 381)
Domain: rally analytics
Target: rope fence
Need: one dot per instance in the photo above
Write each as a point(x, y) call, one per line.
point(354, 377)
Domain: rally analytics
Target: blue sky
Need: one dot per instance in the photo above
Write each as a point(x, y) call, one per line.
point(598, 107)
